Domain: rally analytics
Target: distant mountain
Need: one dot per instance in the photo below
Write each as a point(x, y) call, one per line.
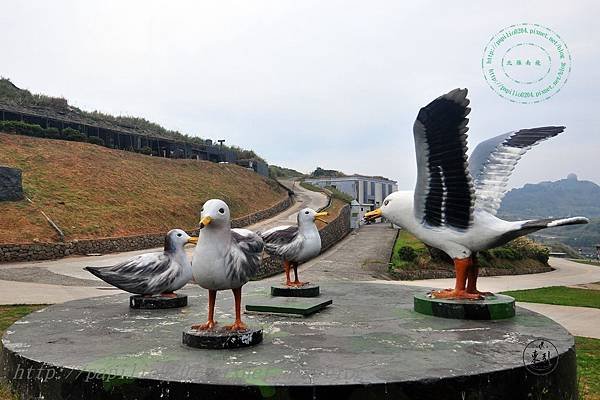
point(320, 172)
point(282, 172)
point(562, 198)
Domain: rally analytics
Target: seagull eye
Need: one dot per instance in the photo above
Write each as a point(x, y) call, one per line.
point(179, 234)
point(306, 212)
point(221, 210)
point(385, 203)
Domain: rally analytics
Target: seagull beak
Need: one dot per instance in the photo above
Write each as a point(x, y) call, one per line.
point(372, 215)
point(321, 214)
point(193, 240)
point(205, 221)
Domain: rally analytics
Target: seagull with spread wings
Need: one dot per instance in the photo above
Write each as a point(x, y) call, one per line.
point(455, 201)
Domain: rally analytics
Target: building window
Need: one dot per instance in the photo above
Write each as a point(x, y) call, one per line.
point(365, 191)
point(372, 188)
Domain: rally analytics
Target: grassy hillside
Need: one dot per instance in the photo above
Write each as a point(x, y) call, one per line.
point(92, 191)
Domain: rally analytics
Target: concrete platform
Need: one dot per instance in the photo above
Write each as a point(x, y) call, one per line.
point(301, 306)
point(368, 344)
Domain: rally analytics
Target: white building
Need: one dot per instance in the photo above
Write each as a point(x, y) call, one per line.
point(366, 190)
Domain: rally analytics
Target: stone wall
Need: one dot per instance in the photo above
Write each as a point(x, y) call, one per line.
point(11, 185)
point(331, 233)
point(264, 214)
point(47, 251)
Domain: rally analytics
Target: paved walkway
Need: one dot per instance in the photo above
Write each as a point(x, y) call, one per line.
point(580, 321)
point(363, 255)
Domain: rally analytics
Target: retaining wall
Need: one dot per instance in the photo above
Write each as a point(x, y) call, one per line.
point(331, 233)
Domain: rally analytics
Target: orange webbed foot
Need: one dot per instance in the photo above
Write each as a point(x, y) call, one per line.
point(297, 284)
point(237, 326)
point(484, 294)
point(209, 325)
point(455, 295)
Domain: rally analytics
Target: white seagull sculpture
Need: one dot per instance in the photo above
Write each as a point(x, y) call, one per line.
point(150, 274)
point(455, 201)
point(295, 244)
point(224, 258)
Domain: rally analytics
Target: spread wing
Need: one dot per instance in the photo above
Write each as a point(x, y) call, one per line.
point(149, 273)
point(444, 194)
point(243, 260)
point(494, 160)
point(282, 241)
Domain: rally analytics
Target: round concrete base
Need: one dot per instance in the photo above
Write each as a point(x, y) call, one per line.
point(492, 307)
point(157, 302)
point(308, 290)
point(369, 343)
point(221, 338)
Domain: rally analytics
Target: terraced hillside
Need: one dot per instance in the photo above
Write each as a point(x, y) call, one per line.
point(91, 191)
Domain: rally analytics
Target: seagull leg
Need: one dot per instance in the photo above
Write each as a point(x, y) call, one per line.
point(462, 266)
point(238, 325)
point(169, 295)
point(472, 279)
point(286, 266)
point(210, 324)
point(296, 282)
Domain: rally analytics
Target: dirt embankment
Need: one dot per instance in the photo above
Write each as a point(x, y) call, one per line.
point(91, 191)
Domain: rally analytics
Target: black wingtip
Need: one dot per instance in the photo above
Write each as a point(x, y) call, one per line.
point(94, 271)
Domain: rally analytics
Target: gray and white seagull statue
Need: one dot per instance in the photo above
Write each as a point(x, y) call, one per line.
point(224, 258)
point(455, 201)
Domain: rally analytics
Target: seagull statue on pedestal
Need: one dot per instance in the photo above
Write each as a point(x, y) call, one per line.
point(295, 244)
point(455, 201)
point(151, 274)
point(224, 258)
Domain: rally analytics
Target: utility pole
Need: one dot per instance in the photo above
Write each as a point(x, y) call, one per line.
point(221, 141)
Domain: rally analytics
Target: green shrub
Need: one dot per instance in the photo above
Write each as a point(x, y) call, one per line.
point(73, 135)
point(52, 133)
point(95, 140)
point(530, 249)
point(407, 253)
point(507, 253)
point(338, 194)
point(22, 128)
point(311, 187)
point(146, 150)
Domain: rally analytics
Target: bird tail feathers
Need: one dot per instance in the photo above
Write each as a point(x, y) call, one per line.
point(95, 271)
point(551, 222)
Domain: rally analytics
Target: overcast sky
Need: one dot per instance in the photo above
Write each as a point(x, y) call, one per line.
point(335, 84)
